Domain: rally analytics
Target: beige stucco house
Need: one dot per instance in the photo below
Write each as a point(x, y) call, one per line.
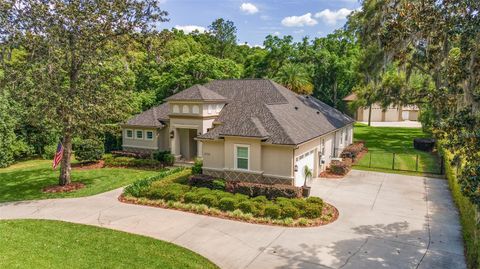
point(250, 130)
point(380, 114)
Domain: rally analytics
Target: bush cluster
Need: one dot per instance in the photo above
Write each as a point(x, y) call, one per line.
point(173, 187)
point(197, 166)
point(89, 150)
point(353, 150)
point(339, 168)
point(137, 155)
point(164, 157)
point(111, 161)
point(206, 181)
point(269, 191)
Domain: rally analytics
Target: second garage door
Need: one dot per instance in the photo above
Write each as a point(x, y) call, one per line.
point(306, 159)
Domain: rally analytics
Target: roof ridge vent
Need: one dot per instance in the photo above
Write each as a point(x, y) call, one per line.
point(296, 107)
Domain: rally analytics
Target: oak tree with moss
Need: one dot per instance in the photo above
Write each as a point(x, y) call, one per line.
point(75, 59)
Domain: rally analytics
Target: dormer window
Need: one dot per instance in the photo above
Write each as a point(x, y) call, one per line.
point(185, 109)
point(176, 109)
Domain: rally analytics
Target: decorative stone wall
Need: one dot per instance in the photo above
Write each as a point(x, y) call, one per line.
point(213, 173)
point(245, 176)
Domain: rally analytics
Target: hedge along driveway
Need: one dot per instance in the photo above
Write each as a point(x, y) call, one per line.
point(25, 180)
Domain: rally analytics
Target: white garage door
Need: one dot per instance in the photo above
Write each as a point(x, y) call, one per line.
point(306, 159)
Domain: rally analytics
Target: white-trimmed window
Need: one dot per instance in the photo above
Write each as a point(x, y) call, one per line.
point(138, 134)
point(242, 157)
point(176, 109)
point(195, 109)
point(149, 135)
point(129, 133)
point(185, 109)
point(209, 109)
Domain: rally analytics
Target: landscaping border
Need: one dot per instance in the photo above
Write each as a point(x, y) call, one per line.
point(236, 215)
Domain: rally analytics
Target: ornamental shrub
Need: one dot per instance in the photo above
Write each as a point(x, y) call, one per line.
point(290, 212)
point(314, 200)
point(165, 157)
point(247, 207)
point(312, 211)
point(140, 187)
point(226, 204)
point(197, 166)
point(272, 211)
point(191, 197)
point(209, 200)
point(339, 168)
point(299, 203)
point(218, 184)
point(172, 195)
point(260, 199)
point(89, 150)
point(269, 191)
point(283, 202)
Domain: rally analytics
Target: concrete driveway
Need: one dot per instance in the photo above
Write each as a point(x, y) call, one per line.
point(386, 221)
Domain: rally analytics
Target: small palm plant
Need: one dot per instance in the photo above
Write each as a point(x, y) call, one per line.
point(307, 173)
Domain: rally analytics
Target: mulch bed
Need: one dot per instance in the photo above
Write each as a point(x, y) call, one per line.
point(327, 208)
point(66, 188)
point(90, 165)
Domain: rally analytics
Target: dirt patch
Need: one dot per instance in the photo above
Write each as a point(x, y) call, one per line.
point(90, 165)
point(66, 188)
point(329, 213)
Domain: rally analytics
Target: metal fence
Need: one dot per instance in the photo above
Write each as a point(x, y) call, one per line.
point(413, 162)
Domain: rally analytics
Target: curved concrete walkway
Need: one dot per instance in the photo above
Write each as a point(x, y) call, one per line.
point(386, 221)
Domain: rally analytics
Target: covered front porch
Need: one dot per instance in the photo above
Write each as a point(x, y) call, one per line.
point(184, 146)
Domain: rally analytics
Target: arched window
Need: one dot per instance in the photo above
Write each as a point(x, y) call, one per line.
point(185, 109)
point(195, 109)
point(176, 109)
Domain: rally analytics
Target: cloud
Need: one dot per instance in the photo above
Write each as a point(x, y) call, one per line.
point(332, 17)
point(249, 8)
point(277, 33)
point(299, 21)
point(190, 28)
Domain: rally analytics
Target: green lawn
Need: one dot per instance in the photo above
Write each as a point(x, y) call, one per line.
point(382, 142)
point(55, 244)
point(25, 180)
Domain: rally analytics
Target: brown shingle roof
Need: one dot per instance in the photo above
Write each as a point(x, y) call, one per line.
point(260, 108)
point(196, 92)
point(152, 117)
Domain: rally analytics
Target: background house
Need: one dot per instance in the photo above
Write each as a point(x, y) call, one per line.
point(379, 114)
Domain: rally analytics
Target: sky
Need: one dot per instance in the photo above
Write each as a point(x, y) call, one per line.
point(255, 19)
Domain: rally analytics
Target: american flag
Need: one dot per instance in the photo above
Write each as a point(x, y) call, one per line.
point(58, 155)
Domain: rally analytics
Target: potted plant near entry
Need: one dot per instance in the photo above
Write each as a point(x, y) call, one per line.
point(307, 173)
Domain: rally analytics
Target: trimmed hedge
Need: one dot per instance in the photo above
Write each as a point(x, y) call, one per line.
point(468, 214)
point(131, 154)
point(139, 187)
point(111, 161)
point(269, 191)
point(197, 166)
